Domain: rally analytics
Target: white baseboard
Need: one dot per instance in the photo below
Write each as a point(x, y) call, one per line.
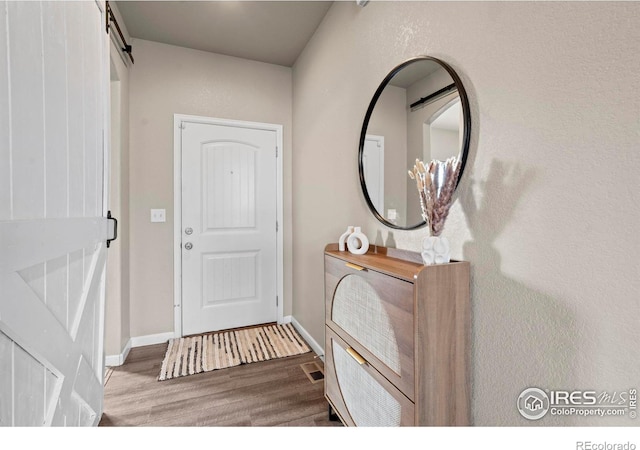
point(307, 337)
point(151, 339)
point(286, 319)
point(138, 341)
point(118, 360)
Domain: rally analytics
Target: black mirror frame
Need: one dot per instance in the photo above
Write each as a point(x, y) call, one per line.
point(465, 138)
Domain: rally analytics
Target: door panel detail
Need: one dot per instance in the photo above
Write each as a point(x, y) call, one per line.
point(229, 277)
point(228, 187)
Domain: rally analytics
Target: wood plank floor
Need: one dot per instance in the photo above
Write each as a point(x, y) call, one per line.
point(269, 393)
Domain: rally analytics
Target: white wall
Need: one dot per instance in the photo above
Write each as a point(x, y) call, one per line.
point(548, 209)
point(444, 143)
point(168, 80)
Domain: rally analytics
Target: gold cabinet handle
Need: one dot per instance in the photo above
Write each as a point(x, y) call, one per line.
point(354, 266)
point(355, 355)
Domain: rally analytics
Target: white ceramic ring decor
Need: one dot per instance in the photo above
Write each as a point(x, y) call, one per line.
point(343, 239)
point(428, 257)
point(357, 242)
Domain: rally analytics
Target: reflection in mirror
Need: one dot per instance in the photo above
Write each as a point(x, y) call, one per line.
point(373, 165)
point(418, 112)
point(442, 135)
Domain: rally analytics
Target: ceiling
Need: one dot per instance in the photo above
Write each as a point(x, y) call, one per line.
point(274, 32)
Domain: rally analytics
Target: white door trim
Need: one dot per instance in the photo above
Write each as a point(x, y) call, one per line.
point(178, 119)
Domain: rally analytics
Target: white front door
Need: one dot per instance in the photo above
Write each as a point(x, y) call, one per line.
point(52, 212)
point(228, 226)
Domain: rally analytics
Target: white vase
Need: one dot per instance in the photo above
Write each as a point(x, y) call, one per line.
point(357, 242)
point(436, 250)
point(428, 257)
point(343, 239)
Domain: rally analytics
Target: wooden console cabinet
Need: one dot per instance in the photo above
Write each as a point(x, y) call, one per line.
point(396, 339)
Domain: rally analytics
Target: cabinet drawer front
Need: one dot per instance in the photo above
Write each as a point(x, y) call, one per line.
point(373, 312)
point(360, 395)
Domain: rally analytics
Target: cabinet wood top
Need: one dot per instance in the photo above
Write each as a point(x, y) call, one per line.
point(379, 259)
point(403, 264)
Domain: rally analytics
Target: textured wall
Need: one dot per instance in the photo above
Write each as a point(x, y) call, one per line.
point(548, 210)
point(168, 80)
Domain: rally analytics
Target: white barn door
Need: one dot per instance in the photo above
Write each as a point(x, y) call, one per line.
point(52, 212)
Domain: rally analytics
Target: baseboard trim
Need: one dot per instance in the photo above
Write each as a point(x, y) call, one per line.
point(307, 337)
point(151, 339)
point(138, 341)
point(118, 360)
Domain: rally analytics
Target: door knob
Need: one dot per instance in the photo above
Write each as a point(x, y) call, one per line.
point(188, 230)
point(188, 245)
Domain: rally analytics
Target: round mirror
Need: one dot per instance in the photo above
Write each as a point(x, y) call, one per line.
point(419, 111)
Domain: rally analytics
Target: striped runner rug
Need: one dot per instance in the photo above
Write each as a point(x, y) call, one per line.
point(211, 351)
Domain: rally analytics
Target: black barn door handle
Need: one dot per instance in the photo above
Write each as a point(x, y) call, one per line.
point(115, 228)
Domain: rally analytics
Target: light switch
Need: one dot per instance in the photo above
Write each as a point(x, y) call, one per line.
point(158, 215)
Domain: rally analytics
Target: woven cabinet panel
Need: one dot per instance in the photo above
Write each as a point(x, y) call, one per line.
point(359, 311)
point(368, 402)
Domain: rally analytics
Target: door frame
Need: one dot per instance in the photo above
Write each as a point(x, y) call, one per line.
point(178, 120)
